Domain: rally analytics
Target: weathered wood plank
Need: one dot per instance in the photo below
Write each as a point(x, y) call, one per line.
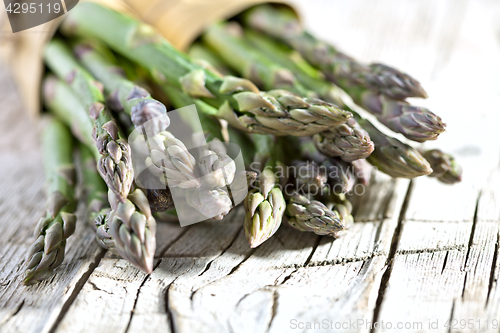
point(238, 290)
point(444, 268)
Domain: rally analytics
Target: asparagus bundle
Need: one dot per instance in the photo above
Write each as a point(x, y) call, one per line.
point(51, 232)
point(239, 101)
point(329, 158)
point(397, 159)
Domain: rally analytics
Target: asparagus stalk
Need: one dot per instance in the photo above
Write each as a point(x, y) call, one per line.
point(341, 177)
point(265, 204)
point(115, 164)
point(265, 207)
point(226, 40)
point(124, 95)
point(96, 196)
point(445, 167)
point(281, 54)
point(208, 60)
point(305, 214)
point(130, 222)
point(341, 69)
point(348, 141)
point(308, 177)
point(94, 187)
point(51, 232)
point(133, 229)
point(393, 157)
point(416, 123)
point(238, 100)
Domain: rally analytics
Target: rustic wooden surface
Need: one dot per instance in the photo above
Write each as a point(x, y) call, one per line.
point(421, 254)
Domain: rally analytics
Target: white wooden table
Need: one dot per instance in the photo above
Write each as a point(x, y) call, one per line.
point(419, 255)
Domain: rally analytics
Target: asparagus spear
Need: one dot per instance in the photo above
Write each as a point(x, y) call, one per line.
point(348, 141)
point(340, 174)
point(416, 123)
point(208, 60)
point(305, 214)
point(343, 207)
point(238, 100)
point(283, 25)
point(133, 229)
point(94, 187)
point(226, 40)
point(130, 222)
point(51, 232)
point(124, 95)
point(445, 167)
point(308, 177)
point(393, 157)
point(95, 192)
point(265, 204)
point(115, 164)
point(265, 207)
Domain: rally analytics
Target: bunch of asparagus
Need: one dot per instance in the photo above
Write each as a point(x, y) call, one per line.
point(291, 85)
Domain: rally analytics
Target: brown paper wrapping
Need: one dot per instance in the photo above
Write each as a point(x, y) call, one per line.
point(180, 21)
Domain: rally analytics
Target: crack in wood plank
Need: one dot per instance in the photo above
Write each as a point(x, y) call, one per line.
point(432, 250)
point(392, 253)
point(451, 315)
point(220, 255)
point(470, 244)
point(493, 268)
point(167, 307)
point(78, 287)
point(445, 261)
point(14, 312)
point(274, 308)
point(168, 246)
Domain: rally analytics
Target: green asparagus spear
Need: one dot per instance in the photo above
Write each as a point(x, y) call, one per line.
point(348, 141)
point(445, 167)
point(51, 232)
point(96, 196)
point(124, 95)
point(414, 122)
point(228, 42)
point(115, 164)
point(208, 59)
point(238, 100)
point(393, 157)
point(305, 214)
point(265, 203)
point(133, 229)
